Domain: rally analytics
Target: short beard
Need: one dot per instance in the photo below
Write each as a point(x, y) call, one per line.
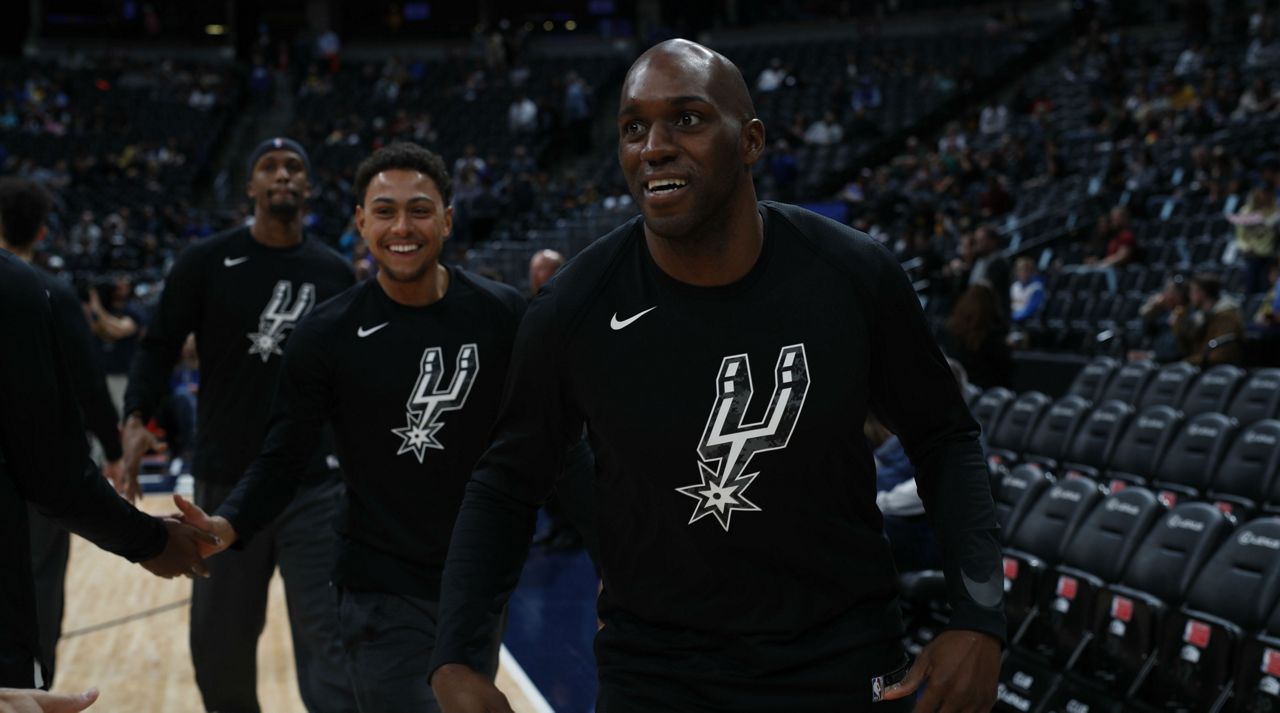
point(283, 211)
point(406, 276)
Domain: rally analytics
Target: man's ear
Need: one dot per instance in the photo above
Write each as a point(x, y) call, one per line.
point(753, 138)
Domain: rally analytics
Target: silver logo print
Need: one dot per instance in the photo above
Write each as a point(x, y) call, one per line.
point(728, 444)
point(427, 401)
point(280, 316)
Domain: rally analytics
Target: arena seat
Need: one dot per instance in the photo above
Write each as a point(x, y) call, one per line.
point(1129, 382)
point(1093, 378)
point(1259, 398)
point(1007, 440)
point(1191, 459)
point(1213, 391)
point(1140, 447)
point(1048, 442)
point(1090, 450)
point(1169, 386)
point(1247, 470)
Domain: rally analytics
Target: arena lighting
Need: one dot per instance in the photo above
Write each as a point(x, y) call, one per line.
point(571, 25)
point(215, 30)
point(548, 25)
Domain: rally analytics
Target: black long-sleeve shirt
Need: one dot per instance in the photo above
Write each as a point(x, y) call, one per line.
point(735, 492)
point(88, 380)
point(242, 299)
point(43, 459)
point(412, 393)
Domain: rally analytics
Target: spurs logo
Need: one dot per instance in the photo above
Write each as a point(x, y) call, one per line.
point(279, 316)
point(728, 444)
point(428, 401)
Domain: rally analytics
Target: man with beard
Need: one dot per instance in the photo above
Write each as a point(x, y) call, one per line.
point(409, 369)
point(242, 293)
point(724, 354)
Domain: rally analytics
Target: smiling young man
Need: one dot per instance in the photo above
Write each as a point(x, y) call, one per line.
point(242, 293)
point(409, 369)
point(723, 354)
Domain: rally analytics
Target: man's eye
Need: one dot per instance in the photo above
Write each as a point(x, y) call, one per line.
point(633, 128)
point(688, 119)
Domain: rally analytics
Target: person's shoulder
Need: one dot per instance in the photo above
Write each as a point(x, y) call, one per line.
point(324, 253)
point(581, 277)
point(19, 282)
point(218, 246)
point(332, 311)
point(500, 294)
point(850, 251)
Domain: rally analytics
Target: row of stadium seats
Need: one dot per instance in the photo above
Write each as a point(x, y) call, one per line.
point(1117, 602)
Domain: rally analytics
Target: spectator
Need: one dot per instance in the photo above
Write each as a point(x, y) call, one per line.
point(914, 546)
point(785, 170)
point(1212, 330)
point(772, 77)
point(991, 267)
point(117, 321)
point(1256, 224)
point(522, 117)
point(1026, 295)
point(975, 335)
point(1263, 345)
point(1158, 315)
point(993, 120)
point(824, 132)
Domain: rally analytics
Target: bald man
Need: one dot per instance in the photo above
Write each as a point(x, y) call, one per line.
point(542, 266)
point(723, 353)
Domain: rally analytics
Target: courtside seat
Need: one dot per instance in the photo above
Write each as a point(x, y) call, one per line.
point(990, 407)
point(1128, 616)
point(972, 392)
point(1258, 399)
point(1138, 451)
point(1129, 382)
point(1037, 543)
point(1257, 674)
point(1015, 492)
point(1234, 594)
point(1213, 391)
point(1049, 441)
point(1010, 435)
point(1169, 386)
point(1096, 555)
point(1093, 378)
point(1192, 458)
point(1248, 470)
point(1091, 449)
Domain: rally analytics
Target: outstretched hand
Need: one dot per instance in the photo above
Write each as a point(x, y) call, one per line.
point(459, 689)
point(192, 515)
point(15, 700)
point(962, 669)
point(181, 555)
point(136, 441)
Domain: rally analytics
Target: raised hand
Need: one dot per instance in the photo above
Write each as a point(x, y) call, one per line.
point(181, 556)
point(962, 669)
point(459, 689)
point(15, 700)
point(136, 441)
point(192, 515)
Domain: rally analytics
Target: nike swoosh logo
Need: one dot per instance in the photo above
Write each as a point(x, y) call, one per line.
point(232, 262)
point(362, 332)
point(986, 594)
point(624, 323)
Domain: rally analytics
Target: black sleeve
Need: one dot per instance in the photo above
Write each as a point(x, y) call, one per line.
point(916, 396)
point(176, 317)
point(42, 438)
point(535, 428)
point(88, 380)
point(302, 404)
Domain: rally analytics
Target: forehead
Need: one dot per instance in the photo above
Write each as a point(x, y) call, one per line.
point(275, 156)
point(402, 184)
point(665, 77)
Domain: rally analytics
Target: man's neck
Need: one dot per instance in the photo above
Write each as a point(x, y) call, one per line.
point(274, 232)
point(721, 255)
point(26, 254)
point(427, 290)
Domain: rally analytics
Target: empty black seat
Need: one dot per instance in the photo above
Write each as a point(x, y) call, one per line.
point(1129, 616)
point(1015, 492)
point(1049, 441)
point(1213, 391)
point(1257, 675)
point(1129, 382)
point(1096, 555)
point(1094, 377)
point(1038, 542)
point(1233, 594)
point(1091, 449)
point(1009, 436)
point(1139, 449)
point(972, 392)
point(991, 406)
point(1248, 469)
point(1169, 386)
point(1192, 457)
point(1259, 398)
